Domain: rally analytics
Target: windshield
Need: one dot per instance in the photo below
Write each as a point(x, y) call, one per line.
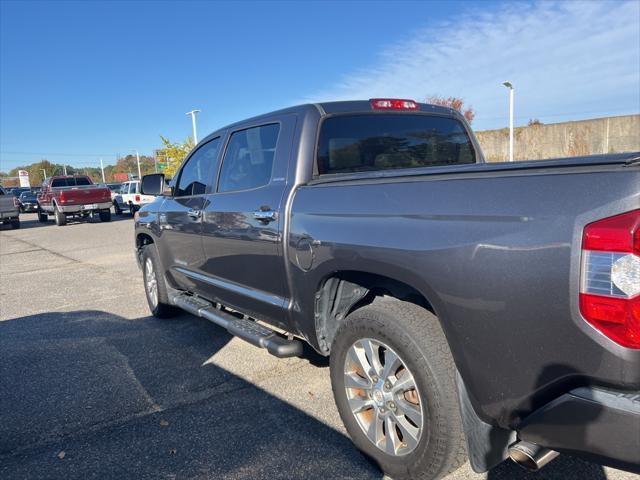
point(360, 143)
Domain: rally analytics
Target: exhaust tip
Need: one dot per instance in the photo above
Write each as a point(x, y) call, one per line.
point(531, 456)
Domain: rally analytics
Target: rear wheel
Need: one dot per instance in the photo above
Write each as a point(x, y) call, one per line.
point(61, 218)
point(15, 223)
point(155, 287)
point(105, 215)
point(393, 380)
point(42, 216)
point(116, 208)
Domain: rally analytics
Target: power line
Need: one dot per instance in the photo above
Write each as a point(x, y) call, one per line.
point(15, 152)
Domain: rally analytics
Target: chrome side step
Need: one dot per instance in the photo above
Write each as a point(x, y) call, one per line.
point(244, 328)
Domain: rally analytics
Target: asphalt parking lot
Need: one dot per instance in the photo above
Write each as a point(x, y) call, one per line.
point(91, 386)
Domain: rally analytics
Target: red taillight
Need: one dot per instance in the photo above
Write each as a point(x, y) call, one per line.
point(393, 104)
point(137, 198)
point(614, 234)
point(62, 197)
point(610, 283)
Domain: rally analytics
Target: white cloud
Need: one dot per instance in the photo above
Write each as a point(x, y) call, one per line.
point(566, 60)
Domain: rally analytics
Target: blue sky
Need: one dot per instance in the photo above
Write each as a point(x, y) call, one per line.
point(80, 81)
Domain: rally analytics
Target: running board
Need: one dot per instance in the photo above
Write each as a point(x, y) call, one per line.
point(248, 330)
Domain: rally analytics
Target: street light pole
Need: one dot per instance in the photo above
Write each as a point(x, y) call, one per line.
point(509, 85)
point(44, 170)
point(193, 124)
point(102, 168)
point(138, 160)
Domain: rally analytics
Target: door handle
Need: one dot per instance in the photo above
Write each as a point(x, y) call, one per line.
point(193, 213)
point(265, 215)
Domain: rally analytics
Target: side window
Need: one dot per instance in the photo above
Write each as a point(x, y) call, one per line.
point(197, 171)
point(132, 187)
point(124, 188)
point(248, 160)
point(59, 182)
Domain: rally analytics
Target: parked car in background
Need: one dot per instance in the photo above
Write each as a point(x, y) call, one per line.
point(28, 202)
point(17, 191)
point(75, 196)
point(130, 198)
point(115, 189)
point(458, 300)
point(9, 209)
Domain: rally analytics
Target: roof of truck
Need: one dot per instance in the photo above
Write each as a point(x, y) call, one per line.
point(328, 108)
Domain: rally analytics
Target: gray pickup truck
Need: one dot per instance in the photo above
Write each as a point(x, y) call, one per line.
point(9, 209)
point(469, 309)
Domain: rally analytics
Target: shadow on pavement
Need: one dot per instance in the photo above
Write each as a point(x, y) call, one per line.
point(30, 220)
point(138, 399)
point(562, 468)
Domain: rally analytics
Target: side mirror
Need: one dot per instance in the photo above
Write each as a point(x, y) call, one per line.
point(152, 184)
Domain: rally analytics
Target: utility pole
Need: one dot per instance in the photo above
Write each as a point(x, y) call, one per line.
point(102, 168)
point(193, 124)
point(64, 166)
point(44, 171)
point(138, 159)
point(510, 87)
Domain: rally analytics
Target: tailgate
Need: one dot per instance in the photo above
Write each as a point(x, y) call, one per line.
point(84, 195)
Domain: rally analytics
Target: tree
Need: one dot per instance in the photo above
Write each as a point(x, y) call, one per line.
point(173, 153)
point(455, 103)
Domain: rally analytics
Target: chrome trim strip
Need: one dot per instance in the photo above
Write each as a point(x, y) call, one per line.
point(274, 300)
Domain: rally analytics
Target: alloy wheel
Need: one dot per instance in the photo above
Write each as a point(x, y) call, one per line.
point(383, 397)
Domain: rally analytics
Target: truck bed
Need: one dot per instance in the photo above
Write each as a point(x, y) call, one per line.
point(485, 244)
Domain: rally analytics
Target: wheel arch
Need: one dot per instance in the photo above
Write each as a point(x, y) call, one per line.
point(342, 292)
point(142, 240)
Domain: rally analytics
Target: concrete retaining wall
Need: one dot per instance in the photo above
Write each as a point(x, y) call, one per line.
point(568, 139)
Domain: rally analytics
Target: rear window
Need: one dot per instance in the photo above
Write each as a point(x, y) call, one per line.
point(70, 182)
point(361, 143)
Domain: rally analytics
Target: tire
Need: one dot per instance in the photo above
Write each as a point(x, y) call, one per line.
point(105, 215)
point(15, 223)
point(151, 266)
point(116, 208)
point(132, 209)
point(61, 218)
point(42, 217)
point(436, 446)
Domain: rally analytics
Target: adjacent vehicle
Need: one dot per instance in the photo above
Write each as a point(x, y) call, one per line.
point(114, 187)
point(9, 209)
point(28, 202)
point(75, 196)
point(130, 198)
point(17, 191)
point(486, 308)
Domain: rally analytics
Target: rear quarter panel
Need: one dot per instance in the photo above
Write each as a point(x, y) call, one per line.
point(497, 256)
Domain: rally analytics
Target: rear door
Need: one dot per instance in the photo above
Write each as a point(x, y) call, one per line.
point(243, 221)
point(180, 217)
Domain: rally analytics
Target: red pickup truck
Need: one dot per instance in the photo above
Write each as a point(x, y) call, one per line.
point(73, 195)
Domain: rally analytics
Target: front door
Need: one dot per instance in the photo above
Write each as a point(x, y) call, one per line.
point(243, 221)
point(180, 217)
